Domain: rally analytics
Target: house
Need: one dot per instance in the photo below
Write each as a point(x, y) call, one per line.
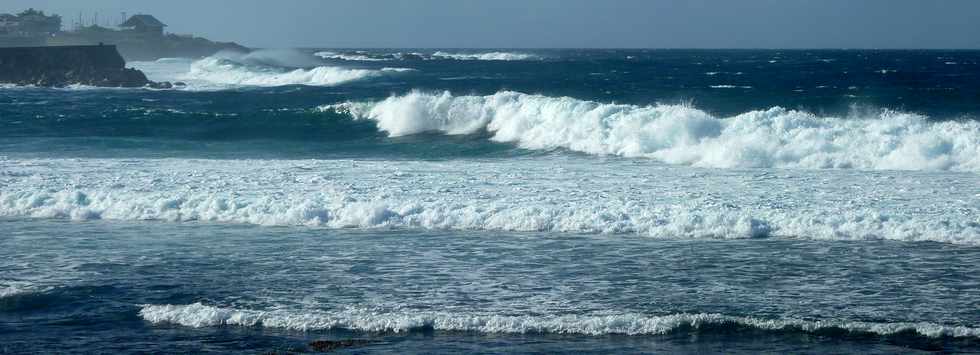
point(144, 24)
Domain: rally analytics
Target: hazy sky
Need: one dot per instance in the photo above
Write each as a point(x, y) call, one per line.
point(553, 23)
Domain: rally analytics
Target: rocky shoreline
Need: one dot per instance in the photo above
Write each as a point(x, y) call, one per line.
point(60, 66)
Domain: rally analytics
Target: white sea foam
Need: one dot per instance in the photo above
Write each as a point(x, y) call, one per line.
point(22, 287)
point(361, 56)
point(728, 86)
point(680, 134)
point(10, 291)
point(265, 68)
point(398, 70)
point(356, 57)
point(70, 87)
point(341, 211)
point(221, 71)
point(518, 196)
point(501, 56)
point(200, 315)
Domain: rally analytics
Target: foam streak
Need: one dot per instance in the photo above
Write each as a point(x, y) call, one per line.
point(199, 315)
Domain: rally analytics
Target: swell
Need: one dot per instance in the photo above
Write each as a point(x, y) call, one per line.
point(220, 120)
point(684, 135)
point(200, 315)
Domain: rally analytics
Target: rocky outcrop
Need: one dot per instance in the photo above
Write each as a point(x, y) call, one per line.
point(69, 65)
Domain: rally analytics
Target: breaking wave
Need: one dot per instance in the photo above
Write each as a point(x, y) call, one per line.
point(200, 315)
point(365, 56)
point(225, 71)
point(442, 212)
point(500, 56)
point(355, 56)
point(681, 134)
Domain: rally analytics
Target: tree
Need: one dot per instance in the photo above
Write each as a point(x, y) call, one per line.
point(31, 12)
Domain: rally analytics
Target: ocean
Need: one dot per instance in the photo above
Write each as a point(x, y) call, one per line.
point(498, 201)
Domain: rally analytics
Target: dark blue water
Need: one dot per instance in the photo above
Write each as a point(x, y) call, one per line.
point(114, 269)
point(281, 120)
point(538, 201)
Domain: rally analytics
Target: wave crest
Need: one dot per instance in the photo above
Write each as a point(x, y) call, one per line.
point(339, 210)
point(358, 56)
point(681, 134)
point(498, 56)
point(224, 71)
point(365, 56)
point(200, 315)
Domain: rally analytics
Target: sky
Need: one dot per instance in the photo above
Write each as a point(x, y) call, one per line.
point(550, 23)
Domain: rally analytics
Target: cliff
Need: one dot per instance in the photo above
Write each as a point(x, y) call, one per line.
point(68, 65)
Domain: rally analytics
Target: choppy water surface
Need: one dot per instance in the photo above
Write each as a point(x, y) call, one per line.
point(499, 201)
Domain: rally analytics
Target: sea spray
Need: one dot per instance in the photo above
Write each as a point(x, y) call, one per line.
point(682, 134)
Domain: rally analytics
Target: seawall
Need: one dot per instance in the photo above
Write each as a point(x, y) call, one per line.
point(56, 66)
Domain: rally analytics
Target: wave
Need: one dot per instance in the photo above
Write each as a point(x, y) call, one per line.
point(729, 86)
point(200, 315)
point(12, 291)
point(530, 213)
point(681, 134)
point(223, 71)
point(70, 87)
point(364, 56)
point(398, 70)
point(356, 56)
point(498, 56)
point(264, 68)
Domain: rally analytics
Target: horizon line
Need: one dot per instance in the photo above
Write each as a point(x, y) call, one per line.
point(643, 48)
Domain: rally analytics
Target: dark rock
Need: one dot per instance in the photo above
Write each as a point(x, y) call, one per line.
point(331, 345)
point(68, 65)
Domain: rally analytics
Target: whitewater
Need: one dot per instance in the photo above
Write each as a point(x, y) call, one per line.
point(615, 197)
point(199, 315)
point(267, 68)
point(681, 134)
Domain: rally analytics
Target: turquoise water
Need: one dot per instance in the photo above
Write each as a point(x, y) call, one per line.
point(499, 201)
